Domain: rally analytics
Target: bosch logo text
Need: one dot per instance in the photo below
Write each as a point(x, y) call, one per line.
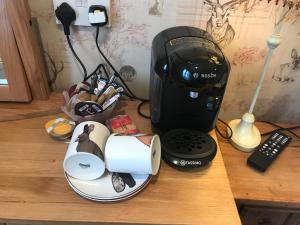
point(208, 75)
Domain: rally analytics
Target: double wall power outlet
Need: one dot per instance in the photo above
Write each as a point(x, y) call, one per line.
point(81, 8)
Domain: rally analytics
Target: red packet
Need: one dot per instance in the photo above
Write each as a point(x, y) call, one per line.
point(122, 124)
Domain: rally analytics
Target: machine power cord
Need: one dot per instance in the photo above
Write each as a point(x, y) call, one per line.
point(140, 111)
point(130, 93)
point(225, 136)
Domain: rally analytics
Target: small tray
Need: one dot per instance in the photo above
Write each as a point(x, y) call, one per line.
point(102, 189)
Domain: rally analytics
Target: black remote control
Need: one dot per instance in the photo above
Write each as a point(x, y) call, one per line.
point(268, 151)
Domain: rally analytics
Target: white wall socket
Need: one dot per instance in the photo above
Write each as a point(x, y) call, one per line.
point(81, 8)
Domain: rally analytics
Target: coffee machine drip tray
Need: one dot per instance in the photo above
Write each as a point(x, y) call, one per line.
point(185, 148)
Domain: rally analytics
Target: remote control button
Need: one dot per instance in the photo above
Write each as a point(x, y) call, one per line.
point(268, 151)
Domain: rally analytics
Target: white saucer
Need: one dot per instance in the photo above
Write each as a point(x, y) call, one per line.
point(102, 189)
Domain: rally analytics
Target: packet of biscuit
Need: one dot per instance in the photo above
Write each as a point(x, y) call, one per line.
point(122, 124)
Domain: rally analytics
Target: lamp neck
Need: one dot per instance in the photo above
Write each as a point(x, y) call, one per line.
point(273, 42)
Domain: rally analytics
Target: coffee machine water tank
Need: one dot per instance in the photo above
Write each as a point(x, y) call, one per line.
point(189, 74)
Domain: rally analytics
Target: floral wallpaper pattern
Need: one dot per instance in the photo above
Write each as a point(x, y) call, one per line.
point(241, 27)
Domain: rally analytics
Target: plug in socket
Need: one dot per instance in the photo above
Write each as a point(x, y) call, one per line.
point(81, 8)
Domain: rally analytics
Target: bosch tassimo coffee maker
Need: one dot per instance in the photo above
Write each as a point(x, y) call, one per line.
point(189, 74)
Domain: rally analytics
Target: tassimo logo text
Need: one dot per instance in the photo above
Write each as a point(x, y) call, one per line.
point(188, 162)
point(208, 75)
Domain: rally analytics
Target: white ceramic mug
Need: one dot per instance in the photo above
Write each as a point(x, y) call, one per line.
point(84, 159)
point(138, 154)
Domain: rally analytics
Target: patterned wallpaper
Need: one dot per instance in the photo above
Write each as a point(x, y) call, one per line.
point(239, 26)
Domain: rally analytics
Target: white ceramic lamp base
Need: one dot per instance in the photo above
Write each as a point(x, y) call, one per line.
point(245, 136)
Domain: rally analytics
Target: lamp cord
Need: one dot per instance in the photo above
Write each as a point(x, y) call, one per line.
point(280, 128)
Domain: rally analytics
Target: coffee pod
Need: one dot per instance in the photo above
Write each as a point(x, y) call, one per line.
point(84, 96)
point(138, 154)
point(84, 159)
point(87, 108)
point(93, 98)
point(107, 94)
point(110, 101)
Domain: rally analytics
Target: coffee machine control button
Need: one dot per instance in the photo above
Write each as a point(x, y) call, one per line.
point(210, 106)
point(213, 103)
point(194, 94)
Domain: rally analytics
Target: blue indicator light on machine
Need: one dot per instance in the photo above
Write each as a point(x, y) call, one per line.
point(194, 94)
point(165, 67)
point(186, 74)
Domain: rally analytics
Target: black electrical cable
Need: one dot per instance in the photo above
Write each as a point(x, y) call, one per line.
point(139, 108)
point(227, 137)
point(105, 71)
point(115, 71)
point(66, 15)
point(102, 54)
point(131, 94)
point(76, 56)
point(99, 67)
point(280, 128)
point(140, 111)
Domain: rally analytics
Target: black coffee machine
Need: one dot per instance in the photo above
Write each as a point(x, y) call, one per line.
point(189, 74)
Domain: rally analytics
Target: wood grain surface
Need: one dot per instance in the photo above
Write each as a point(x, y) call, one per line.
point(17, 88)
point(33, 186)
point(20, 20)
point(279, 186)
point(15, 111)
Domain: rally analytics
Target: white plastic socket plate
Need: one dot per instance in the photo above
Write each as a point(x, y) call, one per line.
point(81, 8)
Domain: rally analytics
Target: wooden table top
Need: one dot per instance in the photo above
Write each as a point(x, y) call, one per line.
point(33, 186)
point(278, 186)
point(16, 111)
